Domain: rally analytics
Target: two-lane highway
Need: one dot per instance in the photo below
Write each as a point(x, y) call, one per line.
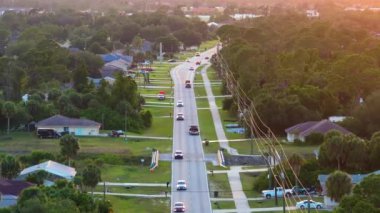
point(192, 167)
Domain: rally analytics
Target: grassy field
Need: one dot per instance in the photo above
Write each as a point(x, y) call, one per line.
point(24, 143)
point(126, 204)
point(137, 173)
point(247, 180)
point(134, 190)
point(219, 183)
point(223, 205)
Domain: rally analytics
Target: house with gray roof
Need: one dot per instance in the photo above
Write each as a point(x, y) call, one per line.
point(75, 126)
point(302, 130)
point(355, 179)
point(10, 190)
point(54, 171)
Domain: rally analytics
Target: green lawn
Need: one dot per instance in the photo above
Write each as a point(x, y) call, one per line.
point(126, 204)
point(133, 190)
point(212, 167)
point(137, 173)
point(243, 147)
point(24, 143)
point(247, 180)
point(223, 205)
point(219, 183)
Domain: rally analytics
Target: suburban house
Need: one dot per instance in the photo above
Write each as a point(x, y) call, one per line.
point(312, 13)
point(76, 126)
point(302, 130)
point(355, 179)
point(54, 170)
point(10, 190)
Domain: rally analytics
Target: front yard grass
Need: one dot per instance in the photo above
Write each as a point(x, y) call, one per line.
point(223, 205)
point(219, 183)
point(136, 173)
point(24, 143)
point(247, 180)
point(129, 204)
point(133, 190)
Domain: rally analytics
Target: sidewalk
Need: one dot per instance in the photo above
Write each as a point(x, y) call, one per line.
point(238, 194)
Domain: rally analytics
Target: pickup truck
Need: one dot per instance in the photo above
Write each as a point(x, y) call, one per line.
point(280, 192)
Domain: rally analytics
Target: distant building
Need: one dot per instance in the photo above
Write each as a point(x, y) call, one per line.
point(312, 13)
point(302, 130)
point(337, 119)
point(355, 179)
point(10, 190)
point(239, 16)
point(76, 126)
point(54, 170)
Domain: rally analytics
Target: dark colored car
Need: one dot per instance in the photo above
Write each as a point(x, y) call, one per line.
point(194, 130)
point(116, 133)
point(198, 63)
point(187, 84)
point(48, 133)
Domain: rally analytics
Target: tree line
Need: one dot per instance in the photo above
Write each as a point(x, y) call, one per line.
point(301, 69)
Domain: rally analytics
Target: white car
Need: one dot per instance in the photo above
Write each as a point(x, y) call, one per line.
point(179, 103)
point(181, 185)
point(179, 207)
point(180, 117)
point(313, 204)
point(178, 154)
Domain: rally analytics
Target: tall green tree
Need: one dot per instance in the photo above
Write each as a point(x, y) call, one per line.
point(91, 176)
point(80, 75)
point(338, 184)
point(69, 147)
point(10, 167)
point(8, 110)
point(296, 161)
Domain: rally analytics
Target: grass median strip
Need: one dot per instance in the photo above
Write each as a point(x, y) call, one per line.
point(128, 204)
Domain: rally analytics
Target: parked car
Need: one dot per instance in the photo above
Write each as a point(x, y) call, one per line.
point(193, 130)
point(48, 133)
point(296, 190)
point(181, 185)
point(116, 133)
point(160, 97)
point(180, 117)
point(178, 154)
point(305, 204)
point(280, 192)
point(179, 207)
point(172, 60)
point(179, 103)
point(197, 54)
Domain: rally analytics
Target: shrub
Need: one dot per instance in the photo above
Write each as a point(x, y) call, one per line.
point(261, 182)
point(314, 139)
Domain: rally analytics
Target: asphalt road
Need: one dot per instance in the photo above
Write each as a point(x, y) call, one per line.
point(192, 168)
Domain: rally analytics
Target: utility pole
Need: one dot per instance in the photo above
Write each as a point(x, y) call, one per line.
point(252, 139)
point(125, 125)
point(283, 191)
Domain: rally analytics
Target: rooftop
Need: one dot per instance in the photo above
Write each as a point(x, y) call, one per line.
point(60, 120)
point(52, 168)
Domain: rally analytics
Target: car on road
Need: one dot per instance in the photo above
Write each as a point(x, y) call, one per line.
point(181, 185)
point(198, 63)
point(179, 207)
point(116, 133)
point(207, 58)
point(178, 154)
point(180, 117)
point(305, 204)
point(187, 84)
point(191, 69)
point(193, 130)
point(280, 192)
point(179, 103)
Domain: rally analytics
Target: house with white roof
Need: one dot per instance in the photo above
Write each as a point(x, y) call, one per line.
point(312, 13)
point(54, 170)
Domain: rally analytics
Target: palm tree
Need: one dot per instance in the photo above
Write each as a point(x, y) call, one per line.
point(8, 110)
point(91, 176)
point(296, 161)
point(69, 147)
point(338, 184)
point(10, 167)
